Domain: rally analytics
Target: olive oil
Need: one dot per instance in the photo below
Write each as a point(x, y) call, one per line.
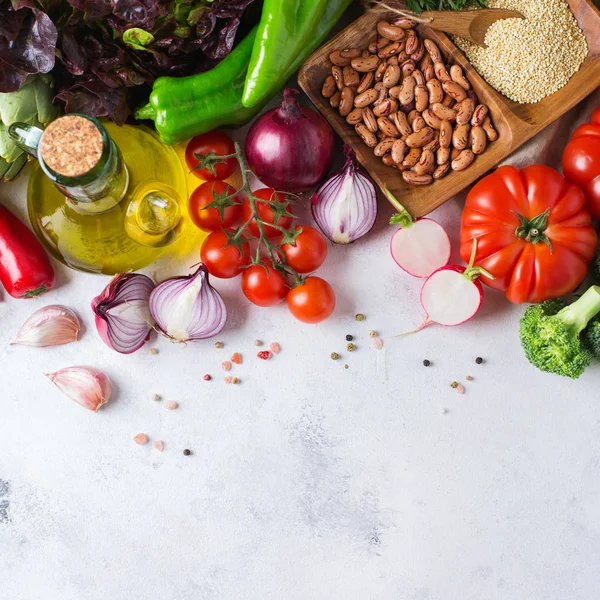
point(130, 235)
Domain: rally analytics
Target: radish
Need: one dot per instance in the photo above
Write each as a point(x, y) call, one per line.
point(452, 294)
point(418, 247)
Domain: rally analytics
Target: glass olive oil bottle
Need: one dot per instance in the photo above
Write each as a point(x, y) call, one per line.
point(103, 198)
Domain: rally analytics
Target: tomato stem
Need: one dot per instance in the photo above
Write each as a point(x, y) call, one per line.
point(532, 230)
point(273, 250)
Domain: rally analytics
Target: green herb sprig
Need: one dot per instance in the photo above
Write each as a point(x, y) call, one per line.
point(419, 6)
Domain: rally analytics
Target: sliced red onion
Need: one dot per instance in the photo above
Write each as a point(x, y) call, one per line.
point(188, 308)
point(122, 314)
point(345, 206)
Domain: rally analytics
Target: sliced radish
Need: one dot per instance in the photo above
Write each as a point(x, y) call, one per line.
point(452, 294)
point(421, 248)
point(418, 247)
point(450, 297)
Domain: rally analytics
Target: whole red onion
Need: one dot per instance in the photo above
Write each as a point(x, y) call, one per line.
point(290, 148)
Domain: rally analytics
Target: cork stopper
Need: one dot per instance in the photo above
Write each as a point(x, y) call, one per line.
point(71, 146)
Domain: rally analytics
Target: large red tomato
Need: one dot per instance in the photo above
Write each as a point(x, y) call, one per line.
point(581, 161)
point(534, 234)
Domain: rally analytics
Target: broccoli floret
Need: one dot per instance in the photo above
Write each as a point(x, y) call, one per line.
point(590, 337)
point(550, 334)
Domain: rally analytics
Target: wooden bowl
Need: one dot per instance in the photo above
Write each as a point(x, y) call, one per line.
point(515, 123)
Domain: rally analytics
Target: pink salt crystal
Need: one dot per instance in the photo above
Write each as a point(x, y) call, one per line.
point(159, 445)
point(460, 388)
point(228, 379)
point(172, 405)
point(141, 439)
point(275, 348)
point(377, 343)
point(226, 365)
point(236, 358)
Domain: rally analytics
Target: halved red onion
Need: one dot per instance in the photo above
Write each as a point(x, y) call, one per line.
point(345, 206)
point(188, 308)
point(122, 314)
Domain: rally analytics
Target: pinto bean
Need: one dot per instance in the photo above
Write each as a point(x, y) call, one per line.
point(433, 50)
point(355, 116)
point(457, 75)
point(440, 72)
point(364, 64)
point(478, 139)
point(338, 76)
point(442, 156)
point(387, 127)
point(436, 92)
point(420, 138)
point(401, 123)
point(453, 89)
point(385, 108)
point(421, 98)
point(407, 91)
point(391, 76)
point(463, 160)
point(426, 163)
point(368, 137)
point(384, 146)
point(464, 111)
point(415, 179)
point(490, 132)
point(350, 76)
point(365, 82)
point(446, 134)
point(412, 158)
point(399, 149)
point(366, 98)
point(369, 119)
point(479, 115)
point(390, 32)
point(431, 120)
point(329, 87)
point(460, 136)
point(418, 124)
point(346, 101)
point(443, 112)
point(441, 171)
point(335, 100)
point(391, 49)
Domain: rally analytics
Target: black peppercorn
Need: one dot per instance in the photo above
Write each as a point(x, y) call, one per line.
point(187, 452)
point(349, 338)
point(479, 360)
point(426, 363)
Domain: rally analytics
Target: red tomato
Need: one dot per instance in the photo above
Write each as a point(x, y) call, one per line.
point(221, 260)
point(309, 251)
point(212, 142)
point(581, 161)
point(263, 285)
point(209, 219)
point(514, 249)
point(266, 213)
point(312, 301)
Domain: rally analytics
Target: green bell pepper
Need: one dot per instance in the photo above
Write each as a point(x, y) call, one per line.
point(183, 107)
point(285, 28)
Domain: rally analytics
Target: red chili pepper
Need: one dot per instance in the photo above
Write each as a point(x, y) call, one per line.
point(25, 267)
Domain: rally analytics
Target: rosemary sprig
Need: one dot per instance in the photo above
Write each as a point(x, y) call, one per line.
point(239, 236)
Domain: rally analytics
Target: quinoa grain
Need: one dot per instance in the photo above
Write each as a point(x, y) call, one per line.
point(531, 58)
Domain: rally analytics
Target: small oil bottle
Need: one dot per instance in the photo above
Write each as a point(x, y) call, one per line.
point(103, 198)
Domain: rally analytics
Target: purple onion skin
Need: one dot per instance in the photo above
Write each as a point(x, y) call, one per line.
point(104, 300)
point(290, 148)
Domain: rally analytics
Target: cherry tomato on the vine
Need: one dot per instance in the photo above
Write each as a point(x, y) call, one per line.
point(212, 142)
point(221, 260)
point(209, 219)
point(265, 213)
point(263, 285)
point(312, 301)
point(309, 251)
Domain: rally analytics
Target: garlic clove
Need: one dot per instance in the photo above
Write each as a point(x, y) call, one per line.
point(87, 386)
point(49, 326)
